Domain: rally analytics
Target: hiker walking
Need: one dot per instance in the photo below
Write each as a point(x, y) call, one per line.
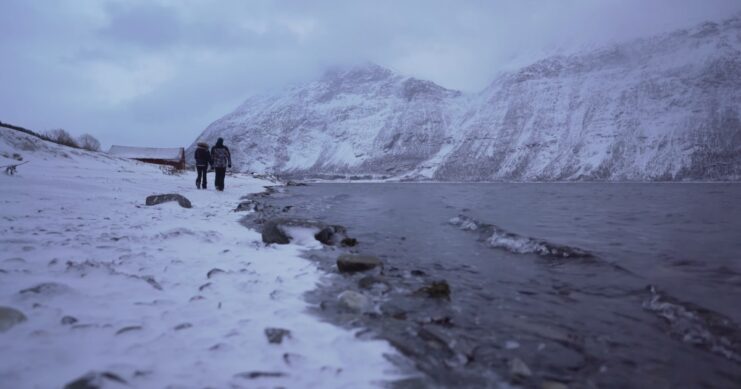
point(221, 158)
point(203, 158)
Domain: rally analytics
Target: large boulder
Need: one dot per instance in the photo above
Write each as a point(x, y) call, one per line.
point(10, 317)
point(164, 198)
point(350, 263)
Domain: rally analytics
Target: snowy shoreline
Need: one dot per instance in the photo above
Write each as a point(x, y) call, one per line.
point(110, 285)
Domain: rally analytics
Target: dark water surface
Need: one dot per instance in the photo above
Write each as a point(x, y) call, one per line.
point(657, 304)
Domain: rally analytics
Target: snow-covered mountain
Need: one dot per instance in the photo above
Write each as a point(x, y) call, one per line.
point(361, 119)
point(661, 108)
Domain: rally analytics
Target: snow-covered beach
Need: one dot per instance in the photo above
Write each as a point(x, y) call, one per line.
point(128, 292)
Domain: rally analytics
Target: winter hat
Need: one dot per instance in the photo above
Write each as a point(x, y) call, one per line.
point(220, 142)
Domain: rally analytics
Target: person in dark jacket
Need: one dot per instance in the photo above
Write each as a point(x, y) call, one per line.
point(203, 159)
point(221, 158)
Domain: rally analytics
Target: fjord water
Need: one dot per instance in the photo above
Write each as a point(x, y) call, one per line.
point(657, 304)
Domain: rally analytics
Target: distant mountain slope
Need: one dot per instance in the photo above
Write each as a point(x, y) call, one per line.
point(663, 108)
point(363, 119)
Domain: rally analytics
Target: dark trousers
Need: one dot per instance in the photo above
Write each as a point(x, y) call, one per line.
point(201, 179)
point(220, 174)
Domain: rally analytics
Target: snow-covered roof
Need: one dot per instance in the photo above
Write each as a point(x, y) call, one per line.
point(168, 153)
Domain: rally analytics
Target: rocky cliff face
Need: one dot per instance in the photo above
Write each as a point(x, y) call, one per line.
point(664, 108)
point(365, 119)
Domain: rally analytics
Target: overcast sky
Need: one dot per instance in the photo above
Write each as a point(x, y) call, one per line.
point(157, 73)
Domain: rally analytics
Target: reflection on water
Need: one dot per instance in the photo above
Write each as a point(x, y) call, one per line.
point(651, 299)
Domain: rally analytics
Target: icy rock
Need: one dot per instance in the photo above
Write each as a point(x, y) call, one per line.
point(276, 335)
point(164, 198)
point(10, 317)
point(518, 368)
point(354, 301)
point(279, 231)
point(46, 289)
point(68, 320)
point(330, 235)
point(96, 380)
point(436, 289)
point(348, 263)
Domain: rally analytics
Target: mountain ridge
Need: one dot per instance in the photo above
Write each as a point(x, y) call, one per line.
point(662, 108)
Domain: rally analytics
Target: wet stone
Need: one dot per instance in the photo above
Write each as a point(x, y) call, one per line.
point(436, 289)
point(164, 198)
point(349, 242)
point(330, 235)
point(272, 233)
point(348, 263)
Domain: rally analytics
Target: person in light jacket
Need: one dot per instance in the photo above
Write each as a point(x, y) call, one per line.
point(203, 159)
point(221, 158)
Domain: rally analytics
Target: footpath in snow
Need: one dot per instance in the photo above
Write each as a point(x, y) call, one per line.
point(94, 282)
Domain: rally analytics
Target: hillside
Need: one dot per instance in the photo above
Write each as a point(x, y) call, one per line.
point(97, 286)
point(660, 108)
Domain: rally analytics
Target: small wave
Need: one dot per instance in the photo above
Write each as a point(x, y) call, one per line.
point(695, 325)
point(499, 238)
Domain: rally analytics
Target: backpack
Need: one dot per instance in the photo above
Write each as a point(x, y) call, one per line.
point(220, 157)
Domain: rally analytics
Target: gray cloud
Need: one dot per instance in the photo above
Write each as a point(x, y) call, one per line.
point(157, 72)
